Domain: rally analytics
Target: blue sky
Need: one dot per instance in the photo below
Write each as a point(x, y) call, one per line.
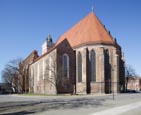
point(25, 24)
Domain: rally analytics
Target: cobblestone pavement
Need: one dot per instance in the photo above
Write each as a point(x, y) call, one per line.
point(54, 105)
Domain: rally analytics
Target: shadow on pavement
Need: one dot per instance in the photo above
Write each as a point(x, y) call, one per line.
point(55, 104)
point(70, 104)
point(19, 113)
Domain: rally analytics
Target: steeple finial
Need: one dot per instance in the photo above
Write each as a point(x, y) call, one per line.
point(49, 38)
point(92, 8)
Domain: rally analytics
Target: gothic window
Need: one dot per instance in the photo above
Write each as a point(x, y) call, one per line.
point(50, 67)
point(107, 65)
point(65, 62)
point(38, 72)
point(107, 71)
point(93, 65)
point(32, 77)
point(79, 67)
point(43, 69)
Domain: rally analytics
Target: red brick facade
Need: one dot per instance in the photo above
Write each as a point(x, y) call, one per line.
point(25, 68)
point(106, 67)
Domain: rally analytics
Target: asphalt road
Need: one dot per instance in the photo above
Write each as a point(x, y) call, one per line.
point(68, 105)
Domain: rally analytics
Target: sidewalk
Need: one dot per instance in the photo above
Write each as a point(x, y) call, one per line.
point(62, 104)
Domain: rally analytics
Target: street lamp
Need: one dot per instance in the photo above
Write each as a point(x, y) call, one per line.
point(113, 91)
point(113, 83)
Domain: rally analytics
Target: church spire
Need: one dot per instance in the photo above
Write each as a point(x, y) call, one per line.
point(49, 38)
point(47, 44)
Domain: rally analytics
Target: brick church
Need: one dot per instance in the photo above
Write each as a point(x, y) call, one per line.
point(86, 59)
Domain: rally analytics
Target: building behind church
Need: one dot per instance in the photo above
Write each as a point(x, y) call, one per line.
point(86, 59)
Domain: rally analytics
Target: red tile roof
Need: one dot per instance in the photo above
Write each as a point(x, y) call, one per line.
point(88, 31)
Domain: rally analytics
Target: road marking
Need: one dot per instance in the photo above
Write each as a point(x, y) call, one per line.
point(118, 110)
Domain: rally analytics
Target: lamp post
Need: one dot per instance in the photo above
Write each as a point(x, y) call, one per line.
point(113, 84)
point(113, 91)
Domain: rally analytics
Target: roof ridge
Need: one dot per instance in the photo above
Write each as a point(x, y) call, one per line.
point(88, 29)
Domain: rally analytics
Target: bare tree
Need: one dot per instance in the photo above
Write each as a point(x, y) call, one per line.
point(53, 73)
point(129, 72)
point(12, 73)
point(6, 75)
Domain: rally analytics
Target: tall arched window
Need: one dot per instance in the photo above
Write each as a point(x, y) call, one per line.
point(79, 67)
point(107, 65)
point(38, 72)
point(107, 72)
point(93, 66)
point(43, 69)
point(51, 67)
point(32, 72)
point(65, 62)
point(31, 80)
